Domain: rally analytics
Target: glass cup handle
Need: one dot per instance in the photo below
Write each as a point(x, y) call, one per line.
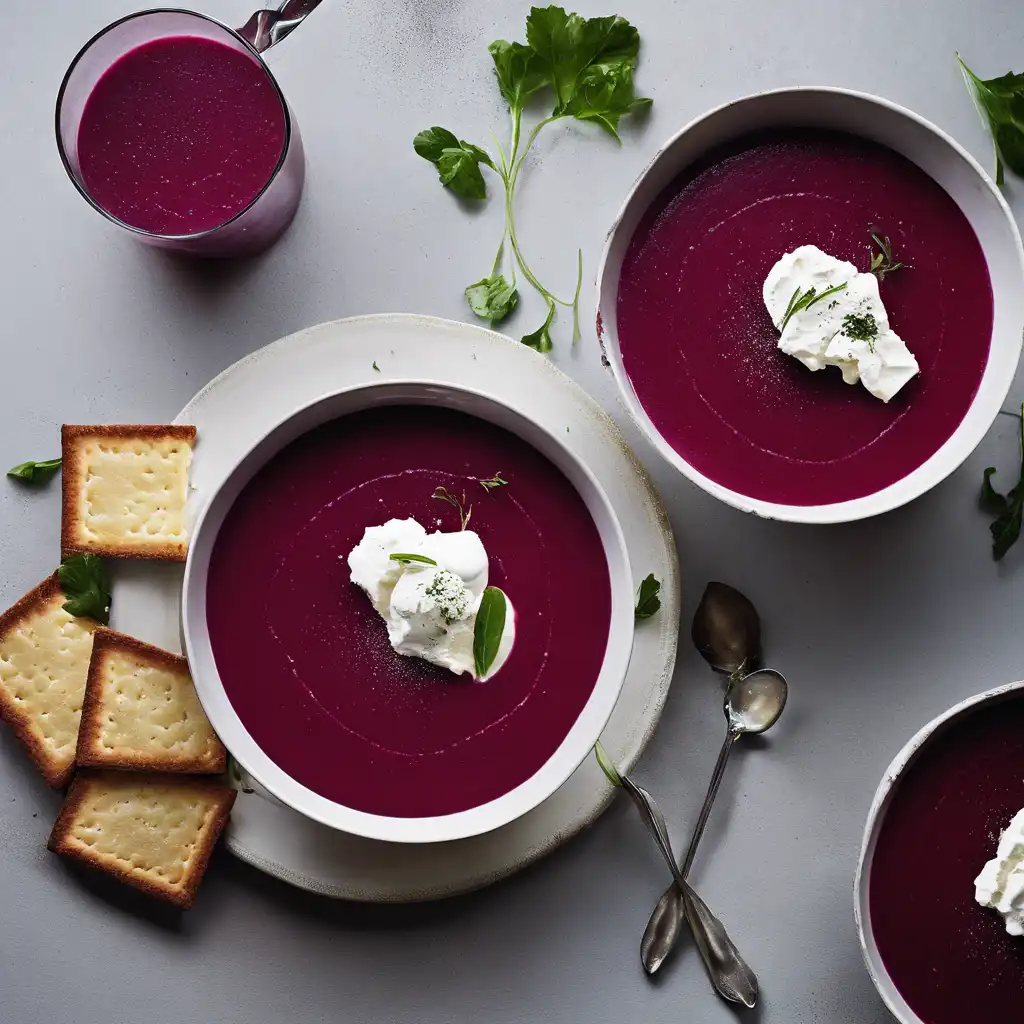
point(265, 28)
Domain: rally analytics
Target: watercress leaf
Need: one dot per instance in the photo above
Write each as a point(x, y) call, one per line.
point(990, 499)
point(540, 339)
point(604, 95)
point(86, 585)
point(488, 630)
point(1005, 532)
point(35, 472)
point(1001, 102)
point(492, 298)
point(459, 170)
point(457, 162)
point(520, 71)
point(432, 142)
point(607, 765)
point(1009, 143)
point(647, 599)
point(567, 43)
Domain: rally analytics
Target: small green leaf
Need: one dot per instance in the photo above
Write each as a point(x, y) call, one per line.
point(990, 499)
point(540, 339)
point(492, 298)
point(604, 96)
point(35, 472)
point(607, 765)
point(1000, 102)
point(1008, 509)
point(432, 142)
point(375, 366)
point(86, 585)
point(567, 44)
point(494, 482)
point(457, 162)
point(520, 71)
point(1005, 532)
point(647, 599)
point(489, 629)
point(401, 557)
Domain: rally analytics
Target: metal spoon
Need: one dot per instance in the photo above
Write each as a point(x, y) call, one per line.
point(753, 705)
point(265, 28)
point(733, 980)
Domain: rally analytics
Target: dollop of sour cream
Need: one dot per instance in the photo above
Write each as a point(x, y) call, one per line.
point(1001, 882)
point(848, 328)
point(429, 609)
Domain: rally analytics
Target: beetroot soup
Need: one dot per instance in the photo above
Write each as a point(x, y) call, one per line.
point(700, 349)
point(305, 660)
point(951, 958)
point(180, 135)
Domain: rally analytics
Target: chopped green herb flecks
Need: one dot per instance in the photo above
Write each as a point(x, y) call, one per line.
point(449, 591)
point(861, 327)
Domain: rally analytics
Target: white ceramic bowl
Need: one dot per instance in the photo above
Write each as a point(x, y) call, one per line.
point(935, 153)
point(887, 989)
point(581, 737)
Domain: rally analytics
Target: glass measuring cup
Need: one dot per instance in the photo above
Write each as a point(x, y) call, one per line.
point(217, 172)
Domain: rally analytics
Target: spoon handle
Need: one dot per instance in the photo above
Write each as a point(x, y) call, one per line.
point(662, 931)
point(729, 973)
point(705, 812)
point(267, 27)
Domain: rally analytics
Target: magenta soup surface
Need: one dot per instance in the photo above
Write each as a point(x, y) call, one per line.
point(700, 349)
point(305, 659)
point(950, 958)
point(180, 134)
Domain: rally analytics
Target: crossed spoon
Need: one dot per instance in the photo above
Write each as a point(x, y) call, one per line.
point(727, 633)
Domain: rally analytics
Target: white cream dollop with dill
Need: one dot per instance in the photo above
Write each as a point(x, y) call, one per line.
point(429, 609)
point(831, 314)
point(1001, 882)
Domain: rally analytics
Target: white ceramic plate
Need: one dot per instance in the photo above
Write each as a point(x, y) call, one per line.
point(933, 151)
point(890, 994)
point(578, 741)
point(237, 408)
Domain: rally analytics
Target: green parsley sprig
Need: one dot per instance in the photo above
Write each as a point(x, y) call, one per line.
point(86, 585)
point(1007, 509)
point(587, 66)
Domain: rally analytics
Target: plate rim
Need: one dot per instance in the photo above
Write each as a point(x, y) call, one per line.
point(662, 642)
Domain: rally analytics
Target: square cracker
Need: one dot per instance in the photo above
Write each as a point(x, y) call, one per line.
point(124, 490)
point(155, 832)
point(141, 711)
point(44, 662)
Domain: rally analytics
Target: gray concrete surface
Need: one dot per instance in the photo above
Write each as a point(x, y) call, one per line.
point(97, 329)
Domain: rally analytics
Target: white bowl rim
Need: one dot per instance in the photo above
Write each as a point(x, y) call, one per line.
point(482, 818)
point(944, 461)
point(887, 989)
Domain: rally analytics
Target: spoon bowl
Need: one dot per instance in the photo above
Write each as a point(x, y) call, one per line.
point(754, 702)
